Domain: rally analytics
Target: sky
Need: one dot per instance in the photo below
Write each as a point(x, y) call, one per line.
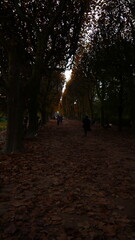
point(67, 75)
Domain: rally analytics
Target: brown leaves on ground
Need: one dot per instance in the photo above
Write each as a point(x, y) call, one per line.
point(69, 187)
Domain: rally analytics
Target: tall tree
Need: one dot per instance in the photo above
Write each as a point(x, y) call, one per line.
point(40, 29)
point(50, 94)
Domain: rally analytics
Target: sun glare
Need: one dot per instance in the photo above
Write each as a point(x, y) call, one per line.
point(68, 75)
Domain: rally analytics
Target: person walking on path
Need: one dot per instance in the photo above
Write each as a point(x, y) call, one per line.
point(58, 119)
point(86, 125)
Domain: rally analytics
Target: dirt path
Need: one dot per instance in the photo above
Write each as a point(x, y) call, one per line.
point(69, 187)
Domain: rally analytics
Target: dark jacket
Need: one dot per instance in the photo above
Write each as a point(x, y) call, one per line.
point(86, 124)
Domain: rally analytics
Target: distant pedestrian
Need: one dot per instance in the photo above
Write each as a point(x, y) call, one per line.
point(58, 119)
point(61, 118)
point(86, 125)
point(107, 125)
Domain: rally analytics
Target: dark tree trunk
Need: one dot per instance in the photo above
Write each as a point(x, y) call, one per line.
point(35, 81)
point(33, 99)
point(120, 114)
point(91, 108)
point(132, 101)
point(102, 114)
point(44, 117)
point(33, 119)
point(120, 108)
point(14, 141)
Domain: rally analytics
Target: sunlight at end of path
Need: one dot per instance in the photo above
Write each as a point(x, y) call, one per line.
point(67, 76)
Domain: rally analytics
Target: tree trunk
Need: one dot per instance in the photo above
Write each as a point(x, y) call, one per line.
point(44, 117)
point(132, 101)
point(33, 101)
point(120, 114)
point(102, 113)
point(91, 108)
point(35, 83)
point(120, 108)
point(14, 140)
point(33, 119)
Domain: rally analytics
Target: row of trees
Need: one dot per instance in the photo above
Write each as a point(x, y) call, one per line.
point(103, 78)
point(37, 39)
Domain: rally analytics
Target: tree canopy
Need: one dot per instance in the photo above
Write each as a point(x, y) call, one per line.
point(40, 38)
point(35, 37)
point(106, 61)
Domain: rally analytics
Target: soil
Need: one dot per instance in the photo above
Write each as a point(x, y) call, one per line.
point(67, 186)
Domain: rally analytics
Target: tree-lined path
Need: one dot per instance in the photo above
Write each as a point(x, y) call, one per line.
point(69, 187)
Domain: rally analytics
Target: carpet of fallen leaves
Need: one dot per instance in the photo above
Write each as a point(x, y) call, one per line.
point(66, 186)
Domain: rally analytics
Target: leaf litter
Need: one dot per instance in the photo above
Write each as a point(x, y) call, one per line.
point(69, 187)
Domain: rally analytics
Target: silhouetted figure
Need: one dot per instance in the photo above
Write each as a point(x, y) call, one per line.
point(58, 119)
point(86, 125)
point(107, 125)
point(61, 118)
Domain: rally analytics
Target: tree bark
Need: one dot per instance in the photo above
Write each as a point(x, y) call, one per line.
point(132, 101)
point(44, 117)
point(14, 140)
point(102, 114)
point(91, 107)
point(120, 108)
point(37, 69)
point(33, 119)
